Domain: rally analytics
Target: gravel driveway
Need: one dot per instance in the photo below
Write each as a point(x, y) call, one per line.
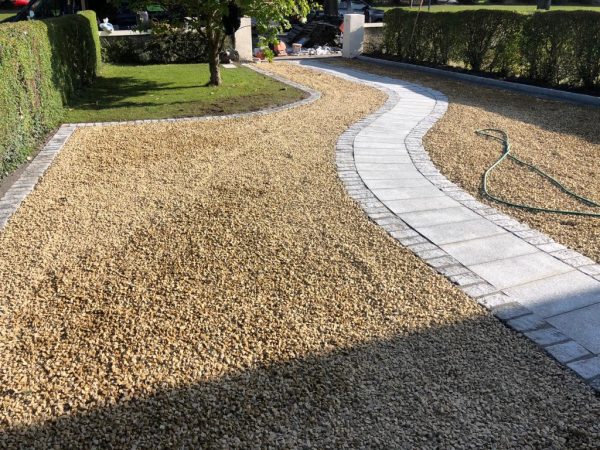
point(211, 285)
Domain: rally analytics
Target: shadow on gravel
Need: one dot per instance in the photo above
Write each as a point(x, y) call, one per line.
point(435, 388)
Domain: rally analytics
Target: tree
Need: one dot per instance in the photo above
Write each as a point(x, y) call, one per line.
point(216, 19)
point(330, 7)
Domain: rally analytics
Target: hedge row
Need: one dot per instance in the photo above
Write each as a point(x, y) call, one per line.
point(42, 63)
point(557, 48)
point(173, 46)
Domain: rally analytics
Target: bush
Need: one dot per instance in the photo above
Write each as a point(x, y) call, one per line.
point(559, 48)
point(164, 46)
point(42, 63)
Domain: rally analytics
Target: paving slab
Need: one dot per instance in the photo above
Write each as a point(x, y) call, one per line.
point(491, 248)
point(558, 294)
point(407, 192)
point(460, 231)
point(582, 325)
point(505, 273)
point(434, 217)
point(420, 204)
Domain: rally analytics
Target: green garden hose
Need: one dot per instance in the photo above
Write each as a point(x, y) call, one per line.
point(502, 137)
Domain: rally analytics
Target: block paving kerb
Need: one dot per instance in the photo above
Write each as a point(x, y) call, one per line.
point(533, 284)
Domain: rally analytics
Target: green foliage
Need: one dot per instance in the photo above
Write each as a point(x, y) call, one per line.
point(42, 63)
point(555, 48)
point(165, 45)
point(271, 18)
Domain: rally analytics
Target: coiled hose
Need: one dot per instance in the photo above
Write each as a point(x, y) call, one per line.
point(502, 137)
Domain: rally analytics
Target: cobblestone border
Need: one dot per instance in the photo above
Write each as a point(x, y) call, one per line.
point(25, 184)
point(506, 308)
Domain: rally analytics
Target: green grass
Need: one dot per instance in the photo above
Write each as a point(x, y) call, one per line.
point(525, 9)
point(5, 14)
point(175, 90)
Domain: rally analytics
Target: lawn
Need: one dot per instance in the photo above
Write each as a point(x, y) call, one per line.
point(176, 90)
point(525, 9)
point(5, 14)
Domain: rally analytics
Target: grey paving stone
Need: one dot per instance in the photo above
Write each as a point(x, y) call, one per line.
point(546, 336)
point(422, 204)
point(460, 231)
point(442, 262)
point(407, 193)
point(434, 217)
point(478, 290)
point(453, 270)
point(395, 184)
point(586, 368)
point(389, 174)
point(526, 323)
point(581, 325)
point(495, 300)
point(382, 159)
point(594, 269)
point(491, 248)
point(385, 167)
point(430, 254)
point(558, 294)
point(567, 351)
point(522, 269)
point(466, 279)
point(508, 311)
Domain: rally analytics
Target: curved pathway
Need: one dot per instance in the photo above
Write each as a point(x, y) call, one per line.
point(535, 285)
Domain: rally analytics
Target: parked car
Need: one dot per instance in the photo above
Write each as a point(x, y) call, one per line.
point(360, 7)
point(20, 3)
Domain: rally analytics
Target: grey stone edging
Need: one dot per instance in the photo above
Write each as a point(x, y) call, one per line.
point(25, 184)
point(537, 91)
point(504, 307)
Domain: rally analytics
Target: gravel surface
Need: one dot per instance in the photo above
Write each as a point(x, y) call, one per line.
point(561, 138)
point(211, 285)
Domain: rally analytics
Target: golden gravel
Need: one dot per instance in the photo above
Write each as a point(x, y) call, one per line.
point(211, 284)
point(560, 138)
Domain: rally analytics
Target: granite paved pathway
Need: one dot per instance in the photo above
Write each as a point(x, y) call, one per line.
point(537, 286)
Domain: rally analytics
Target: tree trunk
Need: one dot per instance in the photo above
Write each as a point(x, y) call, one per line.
point(213, 65)
point(331, 8)
point(214, 45)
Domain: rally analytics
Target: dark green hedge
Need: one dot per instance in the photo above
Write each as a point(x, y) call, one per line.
point(167, 47)
point(42, 63)
point(558, 48)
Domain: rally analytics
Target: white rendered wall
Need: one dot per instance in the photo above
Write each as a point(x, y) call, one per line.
point(354, 33)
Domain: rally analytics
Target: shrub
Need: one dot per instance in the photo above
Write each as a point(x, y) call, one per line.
point(489, 39)
point(164, 46)
point(42, 63)
point(555, 48)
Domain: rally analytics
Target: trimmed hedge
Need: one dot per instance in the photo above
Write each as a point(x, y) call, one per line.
point(173, 46)
point(558, 48)
point(42, 64)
